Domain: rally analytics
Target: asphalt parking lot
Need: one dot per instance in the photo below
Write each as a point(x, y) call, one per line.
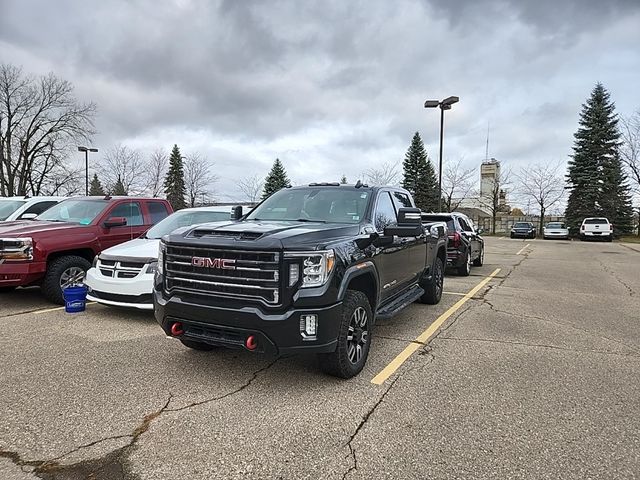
point(534, 375)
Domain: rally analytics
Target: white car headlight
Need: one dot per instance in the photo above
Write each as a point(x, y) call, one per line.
point(152, 267)
point(316, 267)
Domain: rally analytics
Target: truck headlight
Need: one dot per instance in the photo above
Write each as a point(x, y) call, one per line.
point(160, 264)
point(316, 266)
point(20, 248)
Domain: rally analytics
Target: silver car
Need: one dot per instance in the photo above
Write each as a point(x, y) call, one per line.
point(556, 230)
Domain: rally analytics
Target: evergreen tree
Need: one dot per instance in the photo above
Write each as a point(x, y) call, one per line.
point(118, 188)
point(597, 184)
point(174, 186)
point(343, 180)
point(95, 187)
point(276, 180)
point(419, 176)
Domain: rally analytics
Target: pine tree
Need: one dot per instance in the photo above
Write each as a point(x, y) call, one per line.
point(95, 188)
point(343, 180)
point(597, 184)
point(419, 176)
point(174, 186)
point(118, 188)
point(276, 180)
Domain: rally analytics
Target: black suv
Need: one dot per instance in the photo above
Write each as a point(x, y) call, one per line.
point(310, 269)
point(523, 229)
point(465, 246)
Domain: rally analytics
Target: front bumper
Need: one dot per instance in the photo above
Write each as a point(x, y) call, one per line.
point(21, 274)
point(132, 293)
point(277, 333)
point(523, 234)
point(560, 235)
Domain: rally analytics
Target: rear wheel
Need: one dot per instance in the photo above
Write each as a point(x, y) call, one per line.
point(465, 269)
point(512, 236)
point(478, 262)
point(433, 288)
point(354, 338)
point(203, 347)
point(61, 273)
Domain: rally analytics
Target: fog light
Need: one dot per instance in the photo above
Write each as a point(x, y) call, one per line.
point(308, 326)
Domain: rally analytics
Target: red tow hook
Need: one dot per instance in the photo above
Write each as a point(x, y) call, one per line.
point(251, 342)
point(176, 329)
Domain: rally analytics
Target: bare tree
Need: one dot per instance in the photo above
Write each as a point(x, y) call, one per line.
point(544, 184)
point(385, 174)
point(630, 148)
point(126, 164)
point(198, 178)
point(457, 184)
point(495, 199)
point(251, 187)
point(156, 172)
point(40, 121)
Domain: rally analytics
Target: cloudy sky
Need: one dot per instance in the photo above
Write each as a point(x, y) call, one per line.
point(332, 87)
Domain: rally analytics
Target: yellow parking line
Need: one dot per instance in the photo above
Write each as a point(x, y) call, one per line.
point(38, 312)
point(521, 250)
point(425, 336)
point(455, 293)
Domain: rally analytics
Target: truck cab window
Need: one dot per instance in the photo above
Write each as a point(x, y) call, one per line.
point(385, 213)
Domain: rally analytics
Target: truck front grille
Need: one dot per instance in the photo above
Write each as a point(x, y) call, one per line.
point(228, 273)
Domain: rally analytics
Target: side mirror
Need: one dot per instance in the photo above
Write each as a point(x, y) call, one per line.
point(409, 224)
point(28, 216)
point(115, 222)
point(236, 212)
point(480, 231)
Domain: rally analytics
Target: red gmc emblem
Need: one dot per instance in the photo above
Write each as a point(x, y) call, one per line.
point(206, 262)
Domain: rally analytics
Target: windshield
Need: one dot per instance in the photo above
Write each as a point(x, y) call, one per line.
point(522, 225)
point(74, 211)
point(555, 225)
point(322, 204)
point(595, 221)
point(185, 219)
point(7, 207)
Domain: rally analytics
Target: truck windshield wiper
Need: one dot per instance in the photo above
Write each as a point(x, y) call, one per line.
point(311, 220)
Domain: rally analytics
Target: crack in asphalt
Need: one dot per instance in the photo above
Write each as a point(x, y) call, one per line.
point(630, 290)
point(111, 465)
point(363, 421)
point(556, 322)
point(538, 345)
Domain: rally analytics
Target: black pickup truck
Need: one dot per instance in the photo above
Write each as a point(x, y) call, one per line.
point(310, 269)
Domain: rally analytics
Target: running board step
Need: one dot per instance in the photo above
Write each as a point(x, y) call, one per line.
point(399, 303)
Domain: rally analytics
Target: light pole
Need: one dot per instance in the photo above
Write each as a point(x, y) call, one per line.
point(86, 151)
point(443, 105)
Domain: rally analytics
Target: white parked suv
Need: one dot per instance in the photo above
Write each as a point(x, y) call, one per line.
point(596, 227)
point(25, 208)
point(123, 275)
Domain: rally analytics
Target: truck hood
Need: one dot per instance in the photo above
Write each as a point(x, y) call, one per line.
point(21, 228)
point(139, 248)
point(263, 234)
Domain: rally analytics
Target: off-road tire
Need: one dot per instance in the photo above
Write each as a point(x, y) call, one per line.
point(202, 347)
point(465, 269)
point(337, 363)
point(433, 288)
point(7, 289)
point(51, 283)
point(478, 262)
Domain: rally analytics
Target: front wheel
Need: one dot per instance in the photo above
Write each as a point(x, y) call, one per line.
point(433, 289)
point(354, 338)
point(7, 289)
point(63, 272)
point(478, 262)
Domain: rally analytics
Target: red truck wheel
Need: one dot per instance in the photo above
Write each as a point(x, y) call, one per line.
point(59, 271)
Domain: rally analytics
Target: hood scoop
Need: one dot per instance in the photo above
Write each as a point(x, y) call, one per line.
point(204, 232)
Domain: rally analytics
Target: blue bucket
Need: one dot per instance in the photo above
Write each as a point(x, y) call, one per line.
point(75, 298)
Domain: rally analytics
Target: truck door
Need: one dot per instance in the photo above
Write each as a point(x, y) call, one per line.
point(392, 260)
point(416, 246)
point(133, 229)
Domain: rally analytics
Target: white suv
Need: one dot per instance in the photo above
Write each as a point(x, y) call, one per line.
point(25, 208)
point(596, 227)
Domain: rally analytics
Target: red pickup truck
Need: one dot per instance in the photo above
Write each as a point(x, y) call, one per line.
point(56, 248)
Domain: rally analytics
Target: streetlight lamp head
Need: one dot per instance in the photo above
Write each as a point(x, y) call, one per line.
point(82, 149)
point(431, 104)
point(450, 100)
point(93, 149)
